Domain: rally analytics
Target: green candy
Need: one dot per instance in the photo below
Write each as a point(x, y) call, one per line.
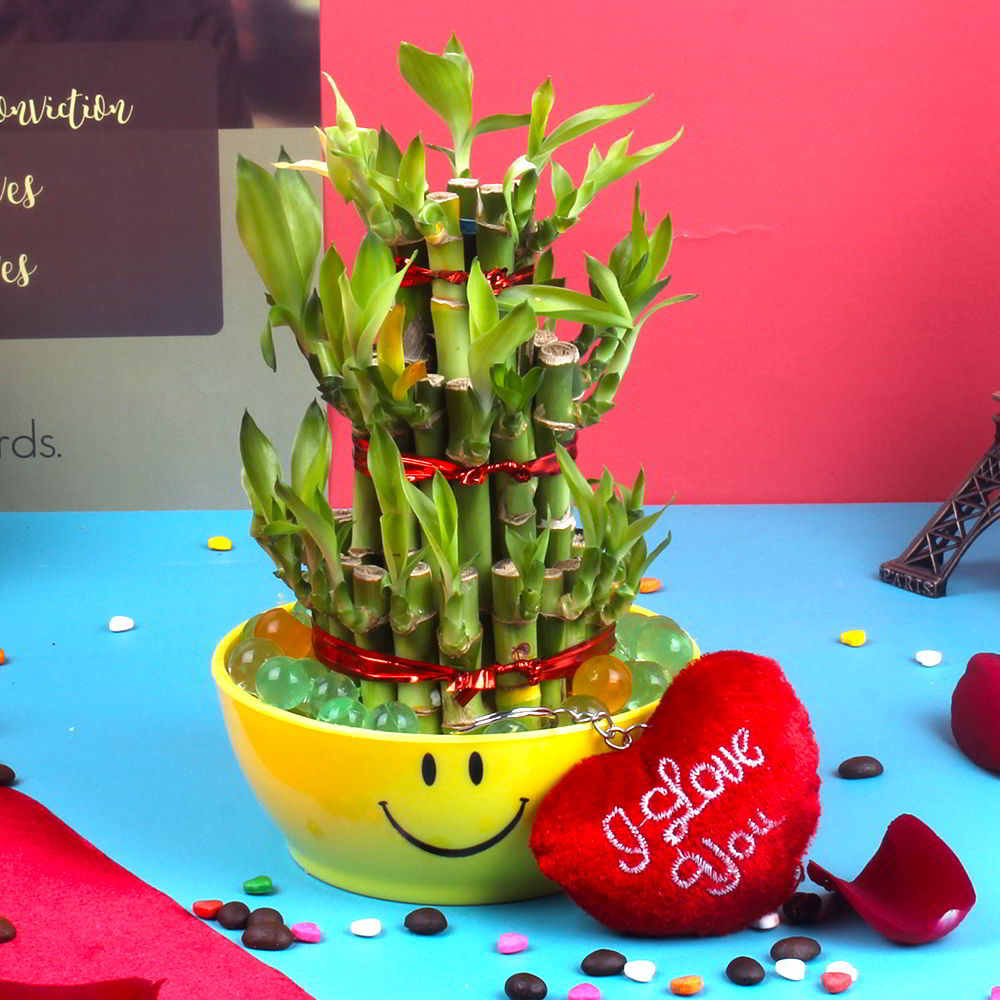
point(342, 712)
point(648, 684)
point(283, 682)
point(581, 703)
point(663, 641)
point(392, 717)
point(505, 726)
point(245, 659)
point(261, 885)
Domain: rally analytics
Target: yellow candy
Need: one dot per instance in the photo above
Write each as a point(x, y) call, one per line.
point(220, 543)
point(605, 678)
point(854, 637)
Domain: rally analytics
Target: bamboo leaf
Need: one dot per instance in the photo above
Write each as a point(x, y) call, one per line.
point(267, 345)
point(389, 346)
point(515, 171)
point(260, 462)
point(441, 82)
point(372, 265)
point(583, 496)
point(607, 284)
point(443, 550)
point(344, 115)
point(260, 219)
point(311, 451)
point(375, 310)
point(410, 377)
point(498, 123)
point(319, 530)
point(331, 267)
point(563, 190)
point(303, 216)
point(496, 345)
point(637, 529)
point(583, 122)
point(544, 266)
point(413, 174)
point(277, 529)
point(450, 153)
point(447, 511)
point(388, 158)
point(604, 171)
point(388, 478)
point(565, 304)
point(541, 104)
point(483, 311)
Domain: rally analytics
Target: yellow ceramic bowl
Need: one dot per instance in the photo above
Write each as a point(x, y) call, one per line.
point(357, 813)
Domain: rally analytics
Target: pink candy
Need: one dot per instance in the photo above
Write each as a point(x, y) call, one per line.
point(511, 944)
point(307, 932)
point(585, 991)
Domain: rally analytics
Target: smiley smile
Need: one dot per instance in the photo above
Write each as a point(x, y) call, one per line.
point(454, 852)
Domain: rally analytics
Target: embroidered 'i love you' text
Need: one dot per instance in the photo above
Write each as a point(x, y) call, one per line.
point(675, 806)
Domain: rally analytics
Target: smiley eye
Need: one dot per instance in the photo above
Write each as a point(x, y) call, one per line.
point(428, 769)
point(475, 767)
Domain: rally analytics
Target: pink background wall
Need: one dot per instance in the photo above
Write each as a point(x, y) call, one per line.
point(836, 199)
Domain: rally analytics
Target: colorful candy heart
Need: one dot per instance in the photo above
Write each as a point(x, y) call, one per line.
point(700, 827)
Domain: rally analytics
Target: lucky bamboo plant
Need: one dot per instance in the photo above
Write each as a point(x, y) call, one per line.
point(443, 343)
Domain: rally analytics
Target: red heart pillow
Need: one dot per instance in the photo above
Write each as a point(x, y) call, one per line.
point(699, 827)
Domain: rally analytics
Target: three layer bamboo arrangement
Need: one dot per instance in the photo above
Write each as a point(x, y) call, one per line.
point(463, 364)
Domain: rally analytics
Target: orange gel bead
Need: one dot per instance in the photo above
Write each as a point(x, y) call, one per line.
point(285, 630)
point(605, 678)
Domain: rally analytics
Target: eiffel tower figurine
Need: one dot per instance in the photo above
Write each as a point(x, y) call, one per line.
point(927, 562)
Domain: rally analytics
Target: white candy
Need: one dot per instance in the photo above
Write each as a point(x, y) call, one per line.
point(843, 967)
point(121, 623)
point(640, 971)
point(366, 927)
point(927, 657)
point(766, 922)
point(790, 968)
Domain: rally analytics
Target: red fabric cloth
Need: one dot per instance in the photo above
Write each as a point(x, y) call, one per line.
point(82, 919)
point(699, 827)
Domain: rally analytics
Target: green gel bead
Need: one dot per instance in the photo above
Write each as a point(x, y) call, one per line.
point(329, 686)
point(627, 632)
point(283, 682)
point(505, 726)
point(392, 717)
point(261, 885)
point(663, 641)
point(316, 669)
point(342, 712)
point(580, 703)
point(247, 630)
point(648, 684)
point(245, 659)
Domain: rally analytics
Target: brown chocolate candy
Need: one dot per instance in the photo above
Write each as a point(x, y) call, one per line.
point(233, 916)
point(7, 931)
point(265, 935)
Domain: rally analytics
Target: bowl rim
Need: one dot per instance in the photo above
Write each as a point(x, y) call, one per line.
point(228, 687)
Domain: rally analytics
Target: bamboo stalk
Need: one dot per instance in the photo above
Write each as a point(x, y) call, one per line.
point(468, 446)
point(553, 422)
point(515, 637)
point(494, 241)
point(467, 189)
point(552, 633)
point(415, 638)
point(371, 602)
point(416, 302)
point(514, 503)
point(460, 645)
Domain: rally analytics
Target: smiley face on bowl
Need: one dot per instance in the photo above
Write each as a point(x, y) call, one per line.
point(415, 818)
point(476, 773)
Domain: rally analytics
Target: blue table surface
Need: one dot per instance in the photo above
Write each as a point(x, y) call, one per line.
point(121, 736)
